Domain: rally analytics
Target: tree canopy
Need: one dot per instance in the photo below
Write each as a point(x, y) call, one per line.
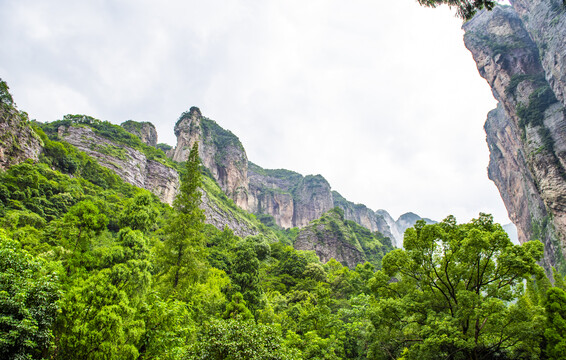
point(466, 9)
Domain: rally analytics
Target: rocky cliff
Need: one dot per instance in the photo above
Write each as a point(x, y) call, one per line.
point(271, 192)
point(293, 200)
point(364, 216)
point(221, 152)
point(130, 164)
point(519, 50)
point(144, 130)
point(135, 164)
point(334, 237)
point(18, 141)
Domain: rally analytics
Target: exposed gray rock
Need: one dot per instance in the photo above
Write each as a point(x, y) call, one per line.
point(526, 134)
point(364, 216)
point(221, 152)
point(18, 141)
point(130, 164)
point(220, 218)
point(330, 239)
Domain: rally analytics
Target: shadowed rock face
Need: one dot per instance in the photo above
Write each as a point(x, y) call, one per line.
point(526, 134)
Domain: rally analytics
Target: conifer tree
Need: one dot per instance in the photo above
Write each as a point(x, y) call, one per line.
point(183, 246)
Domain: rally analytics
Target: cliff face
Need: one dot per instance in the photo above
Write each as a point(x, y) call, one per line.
point(270, 192)
point(364, 216)
point(130, 164)
point(545, 21)
point(144, 130)
point(18, 141)
point(334, 237)
point(220, 151)
point(292, 199)
point(519, 50)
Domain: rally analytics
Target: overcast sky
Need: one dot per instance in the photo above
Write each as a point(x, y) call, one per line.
point(380, 97)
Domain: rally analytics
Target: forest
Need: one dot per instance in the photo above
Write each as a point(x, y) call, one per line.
point(94, 268)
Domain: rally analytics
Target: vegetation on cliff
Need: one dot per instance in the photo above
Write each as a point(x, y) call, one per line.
point(114, 133)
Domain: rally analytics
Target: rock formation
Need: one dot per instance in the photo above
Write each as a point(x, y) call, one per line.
point(333, 237)
point(144, 130)
point(520, 51)
point(293, 200)
point(221, 152)
point(18, 141)
point(130, 164)
point(364, 216)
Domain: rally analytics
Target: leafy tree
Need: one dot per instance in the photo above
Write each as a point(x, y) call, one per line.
point(183, 249)
point(237, 309)
point(466, 9)
point(245, 273)
point(139, 213)
point(555, 332)
point(29, 291)
point(5, 96)
point(98, 320)
point(239, 340)
point(455, 291)
point(168, 327)
point(75, 232)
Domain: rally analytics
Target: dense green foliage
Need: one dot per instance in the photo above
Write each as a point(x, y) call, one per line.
point(126, 277)
point(459, 294)
point(93, 268)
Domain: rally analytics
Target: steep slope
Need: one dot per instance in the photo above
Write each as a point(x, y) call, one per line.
point(18, 141)
point(361, 214)
point(144, 130)
point(334, 237)
point(220, 151)
point(147, 167)
point(293, 200)
point(526, 134)
point(122, 154)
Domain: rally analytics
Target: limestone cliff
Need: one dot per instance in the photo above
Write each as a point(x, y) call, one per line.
point(270, 192)
point(334, 237)
point(364, 216)
point(144, 130)
point(130, 164)
point(292, 199)
point(519, 50)
point(18, 141)
point(221, 152)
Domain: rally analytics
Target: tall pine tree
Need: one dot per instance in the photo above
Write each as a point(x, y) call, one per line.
point(184, 244)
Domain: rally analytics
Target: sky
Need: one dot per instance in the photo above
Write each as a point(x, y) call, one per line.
point(380, 97)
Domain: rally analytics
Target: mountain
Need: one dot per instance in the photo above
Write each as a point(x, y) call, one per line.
point(291, 199)
point(237, 193)
point(333, 237)
point(519, 50)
